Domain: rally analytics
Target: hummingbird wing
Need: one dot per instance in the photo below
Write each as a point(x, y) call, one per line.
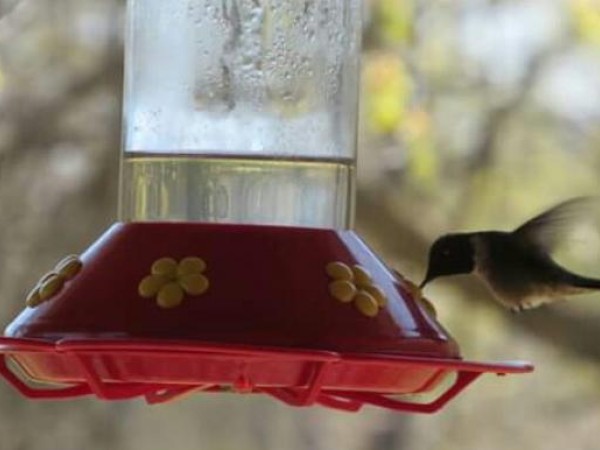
point(545, 231)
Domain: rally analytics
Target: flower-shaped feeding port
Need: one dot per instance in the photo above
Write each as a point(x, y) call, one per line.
point(51, 283)
point(170, 280)
point(417, 295)
point(355, 285)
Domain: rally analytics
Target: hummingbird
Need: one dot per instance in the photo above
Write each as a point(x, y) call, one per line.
point(517, 266)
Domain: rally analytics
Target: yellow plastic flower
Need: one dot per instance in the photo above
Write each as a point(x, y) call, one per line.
point(355, 285)
point(417, 294)
point(170, 280)
point(51, 283)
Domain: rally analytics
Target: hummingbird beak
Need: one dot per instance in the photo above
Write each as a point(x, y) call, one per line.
point(427, 279)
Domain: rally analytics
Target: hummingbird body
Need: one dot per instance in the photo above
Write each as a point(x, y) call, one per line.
point(521, 277)
point(516, 265)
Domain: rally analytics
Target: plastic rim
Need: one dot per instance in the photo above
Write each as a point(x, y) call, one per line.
point(94, 358)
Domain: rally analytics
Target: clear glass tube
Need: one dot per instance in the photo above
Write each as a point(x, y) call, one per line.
point(241, 111)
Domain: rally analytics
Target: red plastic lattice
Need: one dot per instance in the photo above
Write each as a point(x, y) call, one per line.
point(161, 372)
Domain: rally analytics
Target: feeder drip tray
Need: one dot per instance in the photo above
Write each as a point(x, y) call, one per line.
point(113, 370)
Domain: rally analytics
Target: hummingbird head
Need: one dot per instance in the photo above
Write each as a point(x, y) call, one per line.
point(452, 254)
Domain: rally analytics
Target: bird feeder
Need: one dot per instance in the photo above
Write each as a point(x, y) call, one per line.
point(234, 267)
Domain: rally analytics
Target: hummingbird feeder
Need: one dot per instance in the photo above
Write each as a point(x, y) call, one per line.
point(234, 267)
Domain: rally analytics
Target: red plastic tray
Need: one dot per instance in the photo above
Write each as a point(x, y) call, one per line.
point(162, 371)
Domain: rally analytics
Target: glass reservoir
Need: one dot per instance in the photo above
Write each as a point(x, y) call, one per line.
point(241, 111)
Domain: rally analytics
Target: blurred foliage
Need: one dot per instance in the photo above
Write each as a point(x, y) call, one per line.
point(475, 114)
point(586, 15)
point(389, 87)
point(394, 21)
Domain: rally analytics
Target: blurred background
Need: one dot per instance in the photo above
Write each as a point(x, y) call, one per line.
point(475, 114)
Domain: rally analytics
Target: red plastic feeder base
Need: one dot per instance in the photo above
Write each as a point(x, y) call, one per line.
point(160, 310)
point(160, 372)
